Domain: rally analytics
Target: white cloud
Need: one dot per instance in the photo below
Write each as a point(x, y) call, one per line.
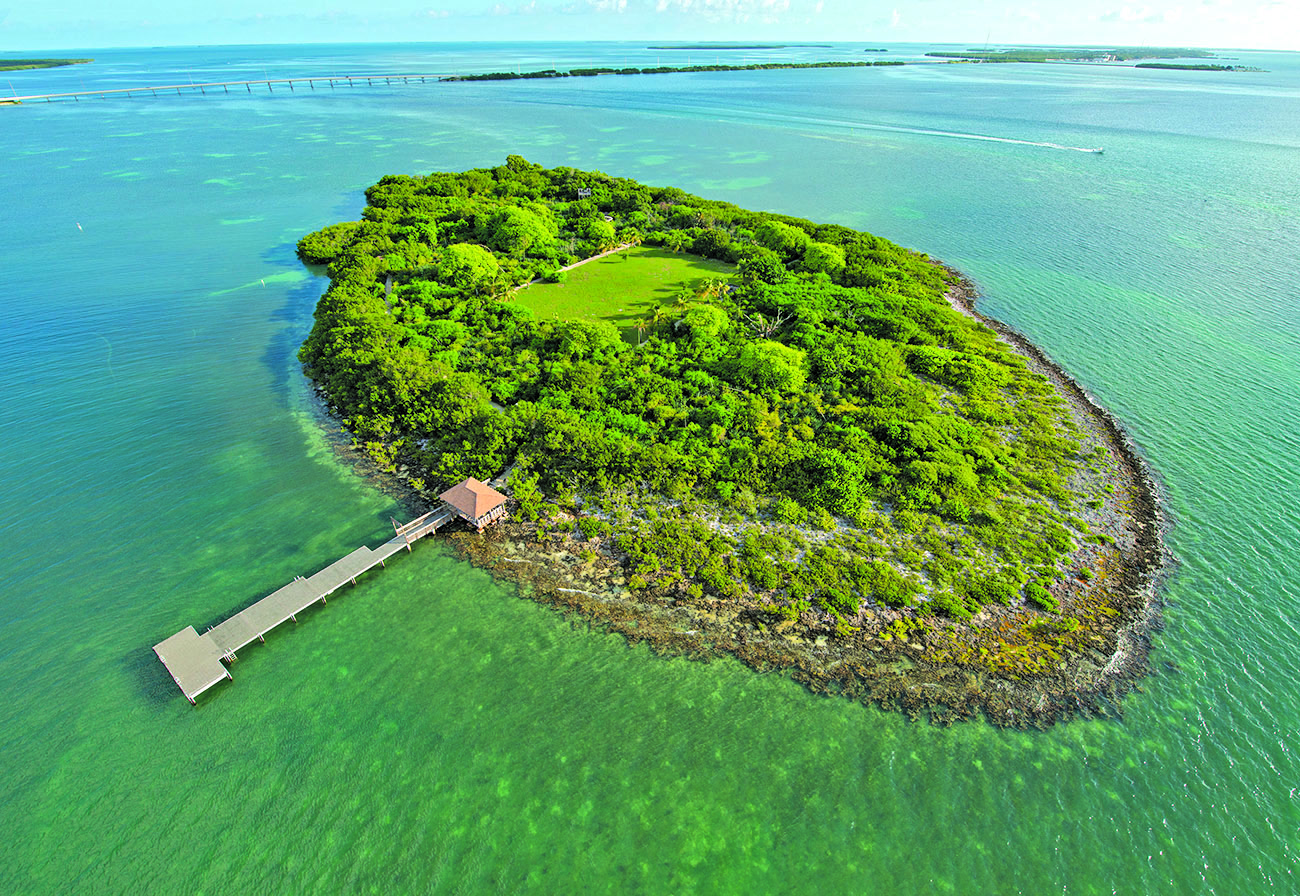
point(524, 9)
point(1132, 15)
point(727, 10)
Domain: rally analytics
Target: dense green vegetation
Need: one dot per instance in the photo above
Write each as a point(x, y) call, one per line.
point(13, 65)
point(1074, 54)
point(1187, 67)
point(658, 70)
point(818, 430)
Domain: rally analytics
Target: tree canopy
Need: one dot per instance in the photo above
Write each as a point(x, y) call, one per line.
point(828, 379)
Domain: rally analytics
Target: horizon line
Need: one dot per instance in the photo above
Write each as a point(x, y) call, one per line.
point(758, 42)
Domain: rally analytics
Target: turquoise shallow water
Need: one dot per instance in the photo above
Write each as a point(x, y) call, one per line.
point(428, 731)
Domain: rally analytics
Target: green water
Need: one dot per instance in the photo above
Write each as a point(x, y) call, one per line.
point(428, 731)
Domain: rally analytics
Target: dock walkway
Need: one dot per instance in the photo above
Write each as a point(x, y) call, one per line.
point(195, 661)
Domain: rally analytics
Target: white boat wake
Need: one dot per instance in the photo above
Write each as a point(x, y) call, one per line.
point(958, 135)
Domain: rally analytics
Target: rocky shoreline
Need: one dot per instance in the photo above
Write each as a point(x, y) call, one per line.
point(1010, 665)
point(1147, 560)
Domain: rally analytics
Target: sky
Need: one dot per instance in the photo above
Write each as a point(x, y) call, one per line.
point(59, 24)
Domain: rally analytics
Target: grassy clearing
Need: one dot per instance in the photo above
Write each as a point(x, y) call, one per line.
point(622, 288)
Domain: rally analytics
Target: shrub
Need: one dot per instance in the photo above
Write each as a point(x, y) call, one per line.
point(770, 366)
point(886, 584)
point(745, 501)
point(326, 244)
point(761, 572)
point(1037, 594)
point(787, 510)
point(994, 587)
point(788, 612)
point(838, 601)
point(1049, 627)
point(951, 605)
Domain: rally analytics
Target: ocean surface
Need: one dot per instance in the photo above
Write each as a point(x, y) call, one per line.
point(429, 731)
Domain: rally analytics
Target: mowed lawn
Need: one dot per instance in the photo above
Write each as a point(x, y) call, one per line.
point(622, 288)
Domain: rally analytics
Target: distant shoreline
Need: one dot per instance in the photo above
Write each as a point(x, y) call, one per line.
point(660, 70)
point(743, 47)
point(16, 65)
point(1187, 67)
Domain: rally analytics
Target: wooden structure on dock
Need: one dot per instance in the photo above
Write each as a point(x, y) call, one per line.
point(477, 503)
point(195, 661)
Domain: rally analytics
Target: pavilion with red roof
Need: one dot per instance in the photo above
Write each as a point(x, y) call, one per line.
point(475, 502)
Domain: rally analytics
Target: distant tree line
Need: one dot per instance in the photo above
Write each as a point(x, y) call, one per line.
point(13, 65)
point(1073, 54)
point(659, 70)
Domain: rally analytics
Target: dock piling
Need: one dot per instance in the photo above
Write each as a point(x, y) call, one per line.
point(198, 662)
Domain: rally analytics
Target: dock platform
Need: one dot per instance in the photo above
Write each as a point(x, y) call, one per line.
point(195, 661)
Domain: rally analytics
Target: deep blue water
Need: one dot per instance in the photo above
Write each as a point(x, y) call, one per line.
point(429, 731)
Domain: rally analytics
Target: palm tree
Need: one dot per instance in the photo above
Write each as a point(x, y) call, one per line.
point(712, 288)
point(498, 287)
point(767, 326)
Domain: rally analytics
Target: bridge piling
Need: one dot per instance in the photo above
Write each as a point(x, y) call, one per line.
point(187, 89)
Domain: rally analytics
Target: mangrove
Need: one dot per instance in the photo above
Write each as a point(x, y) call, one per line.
point(745, 433)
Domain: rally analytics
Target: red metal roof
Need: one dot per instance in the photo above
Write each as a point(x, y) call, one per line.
point(472, 499)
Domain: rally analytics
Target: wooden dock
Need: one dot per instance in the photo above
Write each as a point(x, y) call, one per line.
point(323, 81)
point(195, 661)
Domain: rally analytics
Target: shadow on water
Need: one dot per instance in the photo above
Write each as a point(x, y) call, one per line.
point(348, 209)
point(281, 355)
point(152, 682)
point(285, 255)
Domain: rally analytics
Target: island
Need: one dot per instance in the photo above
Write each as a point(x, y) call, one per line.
point(1073, 54)
point(13, 65)
point(659, 70)
point(740, 433)
point(1190, 67)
